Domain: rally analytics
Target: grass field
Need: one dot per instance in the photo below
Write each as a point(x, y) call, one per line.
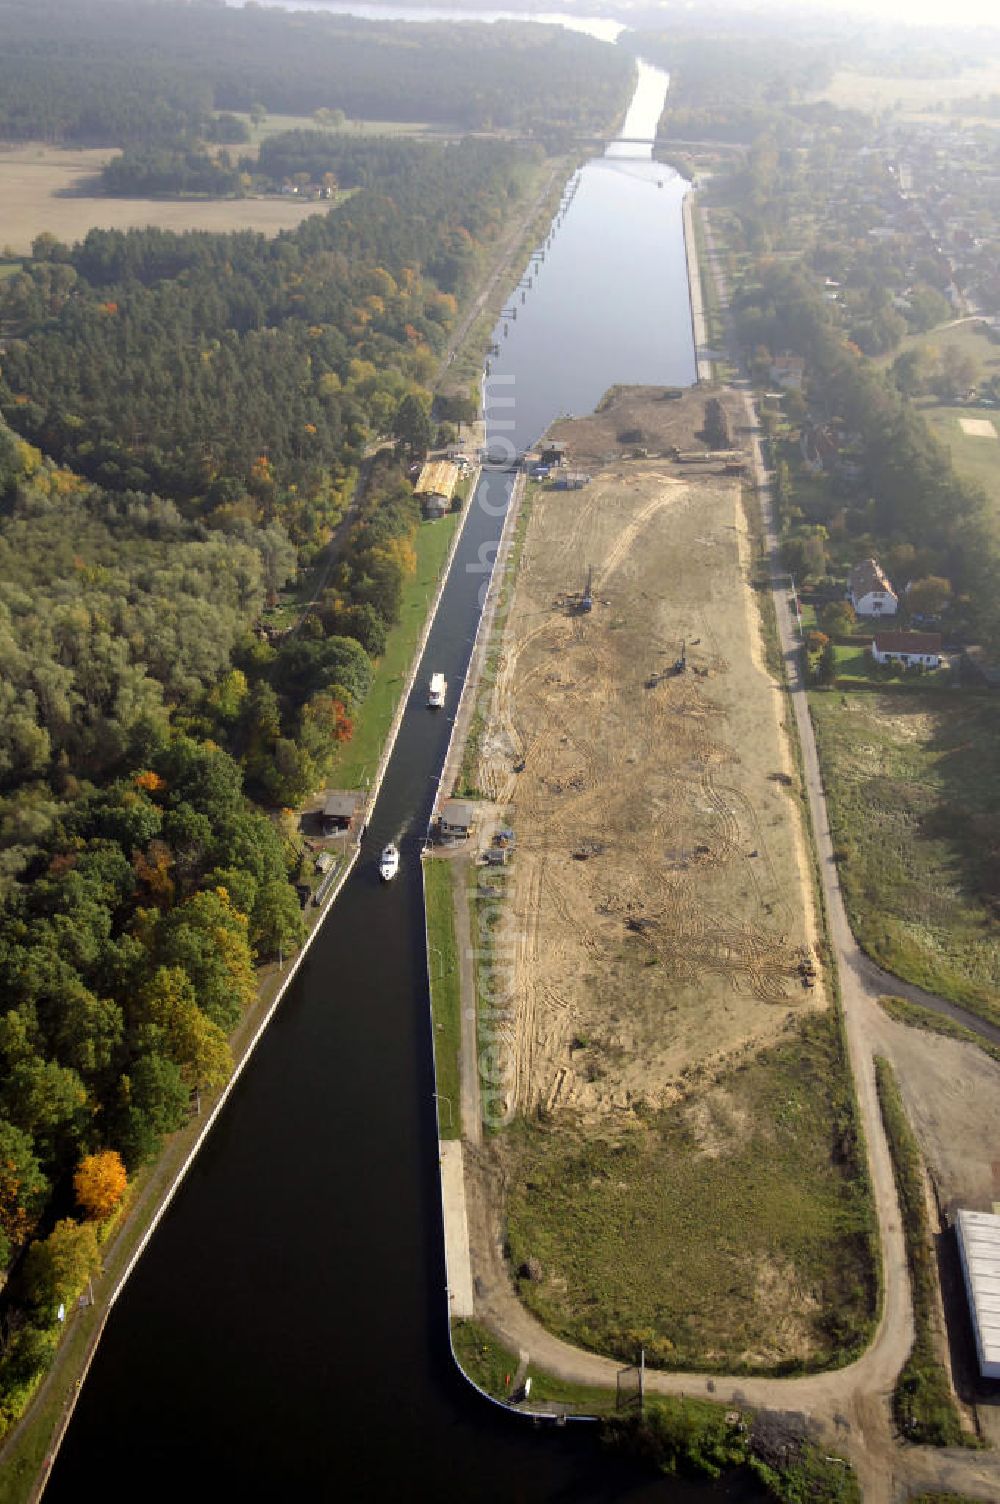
point(975, 458)
point(721, 1234)
point(274, 125)
point(967, 336)
point(850, 90)
point(913, 790)
point(357, 762)
point(446, 994)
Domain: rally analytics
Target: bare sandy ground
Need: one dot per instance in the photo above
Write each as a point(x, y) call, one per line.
point(54, 189)
point(952, 1094)
point(661, 902)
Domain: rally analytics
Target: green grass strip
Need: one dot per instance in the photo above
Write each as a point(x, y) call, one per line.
point(923, 1404)
point(356, 763)
point(491, 1365)
point(446, 992)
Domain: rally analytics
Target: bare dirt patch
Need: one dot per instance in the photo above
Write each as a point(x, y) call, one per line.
point(951, 1090)
point(55, 189)
point(978, 428)
point(660, 909)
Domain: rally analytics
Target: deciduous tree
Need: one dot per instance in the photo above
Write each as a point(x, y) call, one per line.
point(100, 1182)
point(57, 1269)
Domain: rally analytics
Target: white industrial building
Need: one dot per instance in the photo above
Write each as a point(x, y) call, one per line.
point(979, 1248)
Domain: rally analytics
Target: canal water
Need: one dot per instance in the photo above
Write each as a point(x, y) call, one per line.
point(285, 1334)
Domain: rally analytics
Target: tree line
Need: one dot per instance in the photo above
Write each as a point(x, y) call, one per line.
point(187, 417)
point(111, 72)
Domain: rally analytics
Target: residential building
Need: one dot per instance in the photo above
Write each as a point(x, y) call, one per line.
point(869, 591)
point(911, 649)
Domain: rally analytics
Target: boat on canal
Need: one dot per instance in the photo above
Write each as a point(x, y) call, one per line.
point(437, 691)
point(388, 863)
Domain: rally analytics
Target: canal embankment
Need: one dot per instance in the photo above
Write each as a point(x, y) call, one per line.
point(699, 318)
point(450, 965)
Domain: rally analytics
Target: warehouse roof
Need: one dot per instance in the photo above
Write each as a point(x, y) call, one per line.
point(979, 1245)
point(437, 478)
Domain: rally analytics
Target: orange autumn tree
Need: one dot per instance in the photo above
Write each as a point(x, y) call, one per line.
point(100, 1183)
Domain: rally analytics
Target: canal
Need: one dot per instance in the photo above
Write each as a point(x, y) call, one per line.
point(285, 1334)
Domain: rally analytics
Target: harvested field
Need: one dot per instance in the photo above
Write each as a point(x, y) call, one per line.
point(56, 189)
point(661, 901)
point(679, 1167)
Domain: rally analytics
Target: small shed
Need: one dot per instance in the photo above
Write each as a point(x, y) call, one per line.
point(552, 452)
point(434, 507)
point(979, 1250)
point(339, 809)
point(457, 820)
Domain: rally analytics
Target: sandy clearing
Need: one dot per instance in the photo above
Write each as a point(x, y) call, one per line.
point(661, 901)
point(978, 428)
point(952, 1094)
point(51, 188)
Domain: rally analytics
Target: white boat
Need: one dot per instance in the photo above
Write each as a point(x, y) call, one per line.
point(438, 690)
point(388, 863)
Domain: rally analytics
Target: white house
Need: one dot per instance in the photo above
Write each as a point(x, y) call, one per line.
point(869, 590)
point(908, 648)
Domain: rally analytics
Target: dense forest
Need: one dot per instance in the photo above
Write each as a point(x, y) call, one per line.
point(239, 375)
point(188, 416)
point(105, 72)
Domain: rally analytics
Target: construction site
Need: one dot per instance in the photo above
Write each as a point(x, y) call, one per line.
point(666, 1051)
point(660, 899)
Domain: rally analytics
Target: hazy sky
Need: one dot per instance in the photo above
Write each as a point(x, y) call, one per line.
point(926, 12)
